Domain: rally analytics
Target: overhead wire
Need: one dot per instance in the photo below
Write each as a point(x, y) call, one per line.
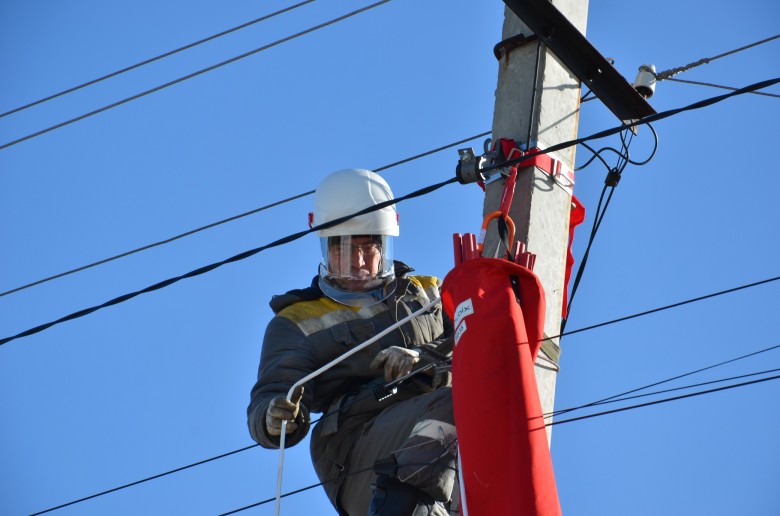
point(241, 256)
point(665, 400)
point(555, 413)
point(636, 123)
point(666, 74)
point(611, 182)
point(423, 191)
point(674, 389)
point(224, 221)
point(191, 75)
point(553, 423)
point(666, 380)
point(156, 58)
point(137, 482)
point(582, 329)
point(370, 390)
point(711, 85)
point(666, 307)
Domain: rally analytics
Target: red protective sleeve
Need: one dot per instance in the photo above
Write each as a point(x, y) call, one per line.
point(504, 454)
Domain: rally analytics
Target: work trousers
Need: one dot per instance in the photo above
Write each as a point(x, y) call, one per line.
point(418, 435)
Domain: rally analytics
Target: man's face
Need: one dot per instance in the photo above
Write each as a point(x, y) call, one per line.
point(354, 260)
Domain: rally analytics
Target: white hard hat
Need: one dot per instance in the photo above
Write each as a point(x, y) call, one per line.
point(357, 255)
point(348, 191)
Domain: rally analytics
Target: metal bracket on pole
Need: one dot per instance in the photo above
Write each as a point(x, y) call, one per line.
point(581, 58)
point(503, 48)
point(469, 168)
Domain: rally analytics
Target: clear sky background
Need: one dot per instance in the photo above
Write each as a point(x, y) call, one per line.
point(162, 381)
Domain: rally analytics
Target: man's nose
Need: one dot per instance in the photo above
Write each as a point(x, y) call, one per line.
point(357, 257)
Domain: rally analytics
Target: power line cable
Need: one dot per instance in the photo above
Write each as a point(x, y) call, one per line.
point(229, 219)
point(711, 85)
point(559, 412)
point(667, 307)
point(423, 191)
point(580, 418)
point(273, 499)
point(194, 74)
point(367, 390)
point(682, 388)
point(660, 76)
point(611, 182)
point(665, 400)
point(238, 257)
point(667, 380)
point(156, 58)
point(636, 123)
point(153, 477)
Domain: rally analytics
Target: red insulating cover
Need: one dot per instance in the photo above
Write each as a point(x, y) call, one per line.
point(576, 216)
point(505, 458)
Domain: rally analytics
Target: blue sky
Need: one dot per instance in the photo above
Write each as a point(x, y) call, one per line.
point(163, 380)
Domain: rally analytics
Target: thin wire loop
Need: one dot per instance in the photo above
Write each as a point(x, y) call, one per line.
point(153, 59)
point(190, 76)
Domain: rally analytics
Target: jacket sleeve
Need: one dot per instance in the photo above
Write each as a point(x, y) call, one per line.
point(284, 360)
point(439, 349)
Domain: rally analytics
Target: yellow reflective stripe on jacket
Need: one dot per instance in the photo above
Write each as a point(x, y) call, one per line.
point(316, 315)
point(429, 285)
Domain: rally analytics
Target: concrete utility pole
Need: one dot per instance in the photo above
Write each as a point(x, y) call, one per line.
point(538, 97)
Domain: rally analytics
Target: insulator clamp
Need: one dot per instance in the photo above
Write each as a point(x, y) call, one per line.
point(469, 169)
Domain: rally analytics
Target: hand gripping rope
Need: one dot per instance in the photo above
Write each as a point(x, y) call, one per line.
point(322, 370)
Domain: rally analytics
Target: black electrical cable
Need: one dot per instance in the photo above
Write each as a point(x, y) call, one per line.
point(156, 58)
point(711, 85)
point(433, 151)
point(285, 495)
point(580, 418)
point(562, 411)
point(674, 71)
point(535, 92)
point(663, 308)
point(194, 74)
point(238, 257)
point(585, 256)
point(596, 155)
point(652, 154)
point(658, 402)
point(648, 119)
point(667, 380)
point(613, 177)
point(605, 400)
point(366, 390)
point(154, 477)
point(675, 389)
point(229, 219)
point(423, 191)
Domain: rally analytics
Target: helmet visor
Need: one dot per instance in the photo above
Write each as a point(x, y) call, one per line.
point(357, 267)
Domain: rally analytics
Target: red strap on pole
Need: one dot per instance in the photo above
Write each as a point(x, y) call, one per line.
point(576, 217)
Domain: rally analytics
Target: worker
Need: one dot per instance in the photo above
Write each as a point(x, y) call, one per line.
point(376, 452)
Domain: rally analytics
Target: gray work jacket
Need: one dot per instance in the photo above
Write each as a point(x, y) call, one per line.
point(309, 330)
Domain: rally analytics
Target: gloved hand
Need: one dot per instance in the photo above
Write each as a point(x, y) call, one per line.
point(282, 410)
point(397, 361)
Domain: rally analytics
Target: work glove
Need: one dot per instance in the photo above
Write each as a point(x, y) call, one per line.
point(282, 410)
point(396, 361)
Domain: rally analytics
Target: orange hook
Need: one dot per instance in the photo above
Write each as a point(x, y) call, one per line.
point(494, 215)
